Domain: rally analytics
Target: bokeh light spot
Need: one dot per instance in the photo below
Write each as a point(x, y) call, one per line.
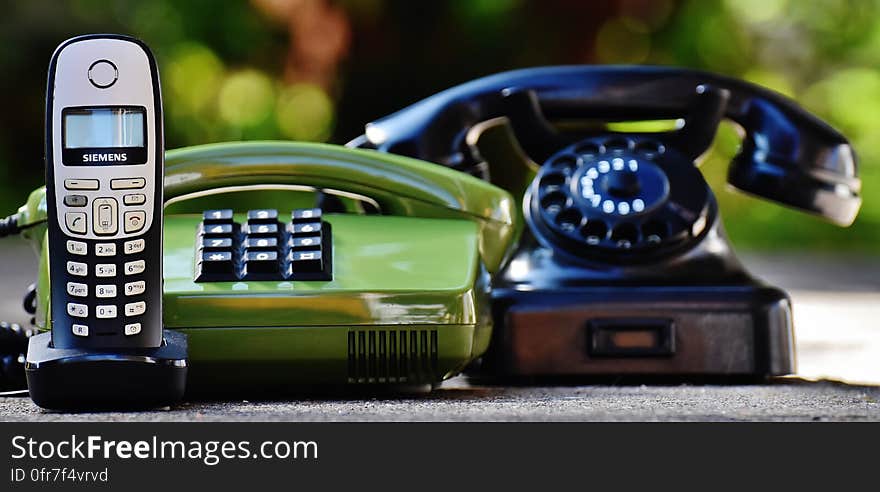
point(246, 98)
point(304, 112)
point(194, 75)
point(623, 40)
point(756, 11)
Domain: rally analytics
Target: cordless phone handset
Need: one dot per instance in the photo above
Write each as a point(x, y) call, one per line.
point(104, 181)
point(104, 165)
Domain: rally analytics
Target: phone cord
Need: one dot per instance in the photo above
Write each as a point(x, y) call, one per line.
point(13, 336)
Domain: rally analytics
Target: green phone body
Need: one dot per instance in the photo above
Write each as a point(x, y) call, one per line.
point(408, 301)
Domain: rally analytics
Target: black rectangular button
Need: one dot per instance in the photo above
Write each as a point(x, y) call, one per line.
point(305, 229)
point(261, 229)
point(262, 216)
point(217, 262)
point(217, 216)
point(261, 262)
point(214, 230)
point(301, 243)
point(75, 200)
point(216, 243)
point(301, 215)
point(261, 243)
point(306, 262)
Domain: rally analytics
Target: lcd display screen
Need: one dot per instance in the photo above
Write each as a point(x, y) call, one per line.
point(100, 128)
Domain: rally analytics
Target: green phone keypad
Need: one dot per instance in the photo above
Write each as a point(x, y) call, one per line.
point(263, 248)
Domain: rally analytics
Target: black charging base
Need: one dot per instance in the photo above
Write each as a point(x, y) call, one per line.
point(71, 379)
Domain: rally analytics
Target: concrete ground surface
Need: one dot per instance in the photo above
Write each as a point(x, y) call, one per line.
point(836, 307)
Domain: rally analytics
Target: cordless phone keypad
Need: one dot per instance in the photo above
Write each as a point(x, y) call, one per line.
point(104, 278)
point(104, 282)
point(263, 247)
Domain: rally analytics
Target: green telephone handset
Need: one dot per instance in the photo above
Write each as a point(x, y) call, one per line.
point(401, 298)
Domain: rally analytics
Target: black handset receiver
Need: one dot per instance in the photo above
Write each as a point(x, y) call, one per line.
point(624, 267)
point(788, 155)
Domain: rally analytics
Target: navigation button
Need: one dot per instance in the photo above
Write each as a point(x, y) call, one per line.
point(76, 222)
point(127, 183)
point(105, 214)
point(136, 199)
point(134, 220)
point(81, 184)
point(75, 200)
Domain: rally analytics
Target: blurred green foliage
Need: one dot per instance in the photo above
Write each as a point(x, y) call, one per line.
point(319, 69)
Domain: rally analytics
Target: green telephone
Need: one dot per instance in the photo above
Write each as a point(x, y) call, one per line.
point(403, 295)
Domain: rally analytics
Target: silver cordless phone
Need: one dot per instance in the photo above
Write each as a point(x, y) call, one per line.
point(104, 167)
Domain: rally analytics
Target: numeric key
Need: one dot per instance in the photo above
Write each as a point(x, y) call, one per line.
point(135, 267)
point(105, 291)
point(77, 289)
point(77, 268)
point(77, 248)
point(135, 288)
point(133, 246)
point(105, 249)
point(217, 216)
point(261, 262)
point(262, 216)
point(216, 243)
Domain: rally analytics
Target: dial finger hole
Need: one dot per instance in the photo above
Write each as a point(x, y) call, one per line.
point(569, 220)
point(617, 144)
point(565, 164)
point(588, 150)
point(625, 235)
point(650, 148)
point(594, 231)
point(553, 180)
point(553, 202)
point(655, 231)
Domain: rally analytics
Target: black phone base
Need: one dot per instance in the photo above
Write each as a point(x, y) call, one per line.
point(720, 331)
point(70, 379)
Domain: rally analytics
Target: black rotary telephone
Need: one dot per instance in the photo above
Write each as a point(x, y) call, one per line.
point(624, 267)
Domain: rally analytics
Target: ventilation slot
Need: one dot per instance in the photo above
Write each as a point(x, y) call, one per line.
point(392, 356)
